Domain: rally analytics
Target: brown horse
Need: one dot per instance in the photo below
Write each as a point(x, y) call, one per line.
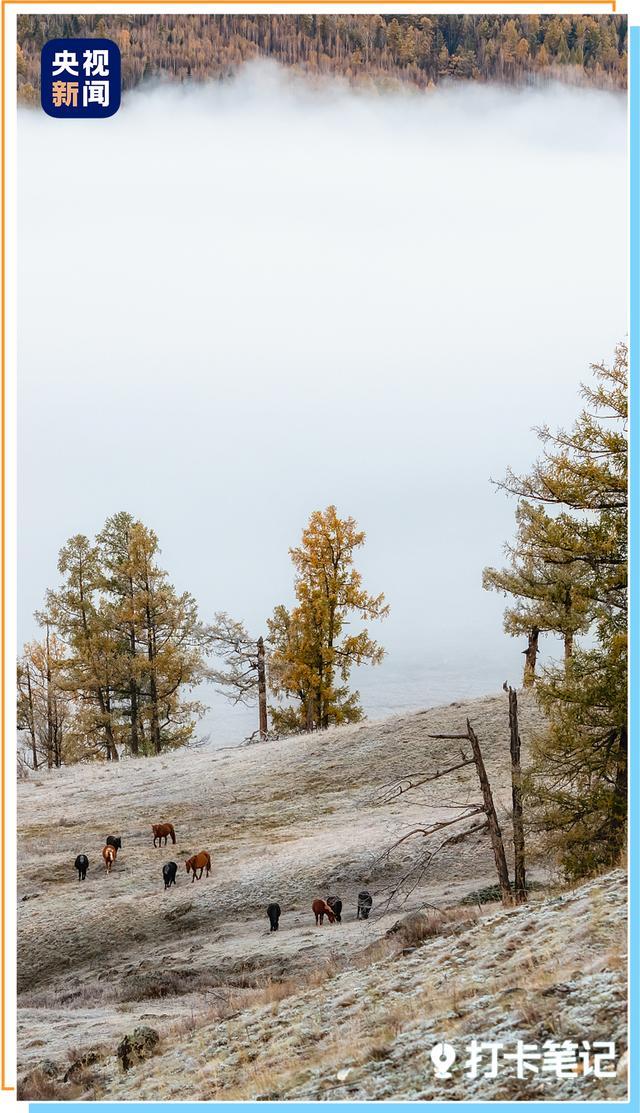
point(320, 909)
point(200, 862)
point(162, 831)
point(109, 853)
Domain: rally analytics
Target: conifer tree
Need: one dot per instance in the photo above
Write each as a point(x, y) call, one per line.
point(312, 654)
point(551, 594)
point(171, 658)
point(114, 543)
point(91, 669)
point(578, 776)
point(127, 648)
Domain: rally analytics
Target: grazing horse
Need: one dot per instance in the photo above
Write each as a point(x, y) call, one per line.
point(169, 871)
point(162, 831)
point(273, 912)
point(111, 840)
point(336, 904)
point(81, 864)
point(320, 909)
point(200, 862)
point(365, 900)
point(109, 853)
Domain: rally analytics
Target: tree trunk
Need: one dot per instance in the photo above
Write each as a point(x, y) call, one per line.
point(530, 658)
point(155, 721)
point(112, 752)
point(133, 687)
point(492, 818)
point(156, 739)
point(133, 693)
point(520, 885)
point(618, 814)
point(50, 738)
point(568, 637)
point(133, 697)
point(262, 691)
point(112, 749)
point(321, 719)
point(57, 735)
point(309, 714)
point(32, 720)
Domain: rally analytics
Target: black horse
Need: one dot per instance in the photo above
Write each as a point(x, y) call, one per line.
point(169, 871)
point(336, 904)
point(81, 864)
point(365, 900)
point(111, 840)
point(273, 912)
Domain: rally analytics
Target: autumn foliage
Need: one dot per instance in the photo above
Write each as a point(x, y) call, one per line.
point(381, 49)
point(313, 645)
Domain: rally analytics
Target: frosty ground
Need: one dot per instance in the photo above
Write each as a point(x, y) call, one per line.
point(342, 1011)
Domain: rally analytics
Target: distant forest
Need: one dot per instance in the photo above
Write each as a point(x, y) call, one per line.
point(380, 49)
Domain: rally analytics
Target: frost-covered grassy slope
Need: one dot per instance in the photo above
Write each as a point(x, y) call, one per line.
point(288, 821)
point(553, 970)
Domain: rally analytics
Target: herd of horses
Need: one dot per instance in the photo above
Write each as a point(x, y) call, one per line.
point(113, 843)
point(331, 908)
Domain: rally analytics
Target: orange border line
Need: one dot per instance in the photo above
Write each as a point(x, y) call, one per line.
point(157, 4)
point(352, 3)
point(3, 612)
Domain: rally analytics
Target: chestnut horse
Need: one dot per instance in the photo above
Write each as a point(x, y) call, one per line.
point(162, 831)
point(320, 909)
point(109, 853)
point(200, 862)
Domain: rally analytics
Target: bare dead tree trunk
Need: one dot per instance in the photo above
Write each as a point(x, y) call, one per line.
point(530, 658)
point(492, 818)
point(516, 792)
point(262, 691)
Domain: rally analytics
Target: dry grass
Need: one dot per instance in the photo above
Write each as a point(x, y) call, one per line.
point(289, 821)
point(275, 1041)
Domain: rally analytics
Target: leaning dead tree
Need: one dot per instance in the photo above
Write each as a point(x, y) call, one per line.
point(468, 810)
point(488, 806)
point(243, 679)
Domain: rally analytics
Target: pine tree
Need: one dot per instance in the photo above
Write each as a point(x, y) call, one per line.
point(114, 543)
point(579, 772)
point(551, 594)
point(92, 667)
point(311, 652)
point(132, 646)
point(171, 658)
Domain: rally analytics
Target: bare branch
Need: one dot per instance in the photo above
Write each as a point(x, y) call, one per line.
point(406, 784)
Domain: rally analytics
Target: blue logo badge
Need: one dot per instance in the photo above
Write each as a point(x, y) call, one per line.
point(80, 78)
